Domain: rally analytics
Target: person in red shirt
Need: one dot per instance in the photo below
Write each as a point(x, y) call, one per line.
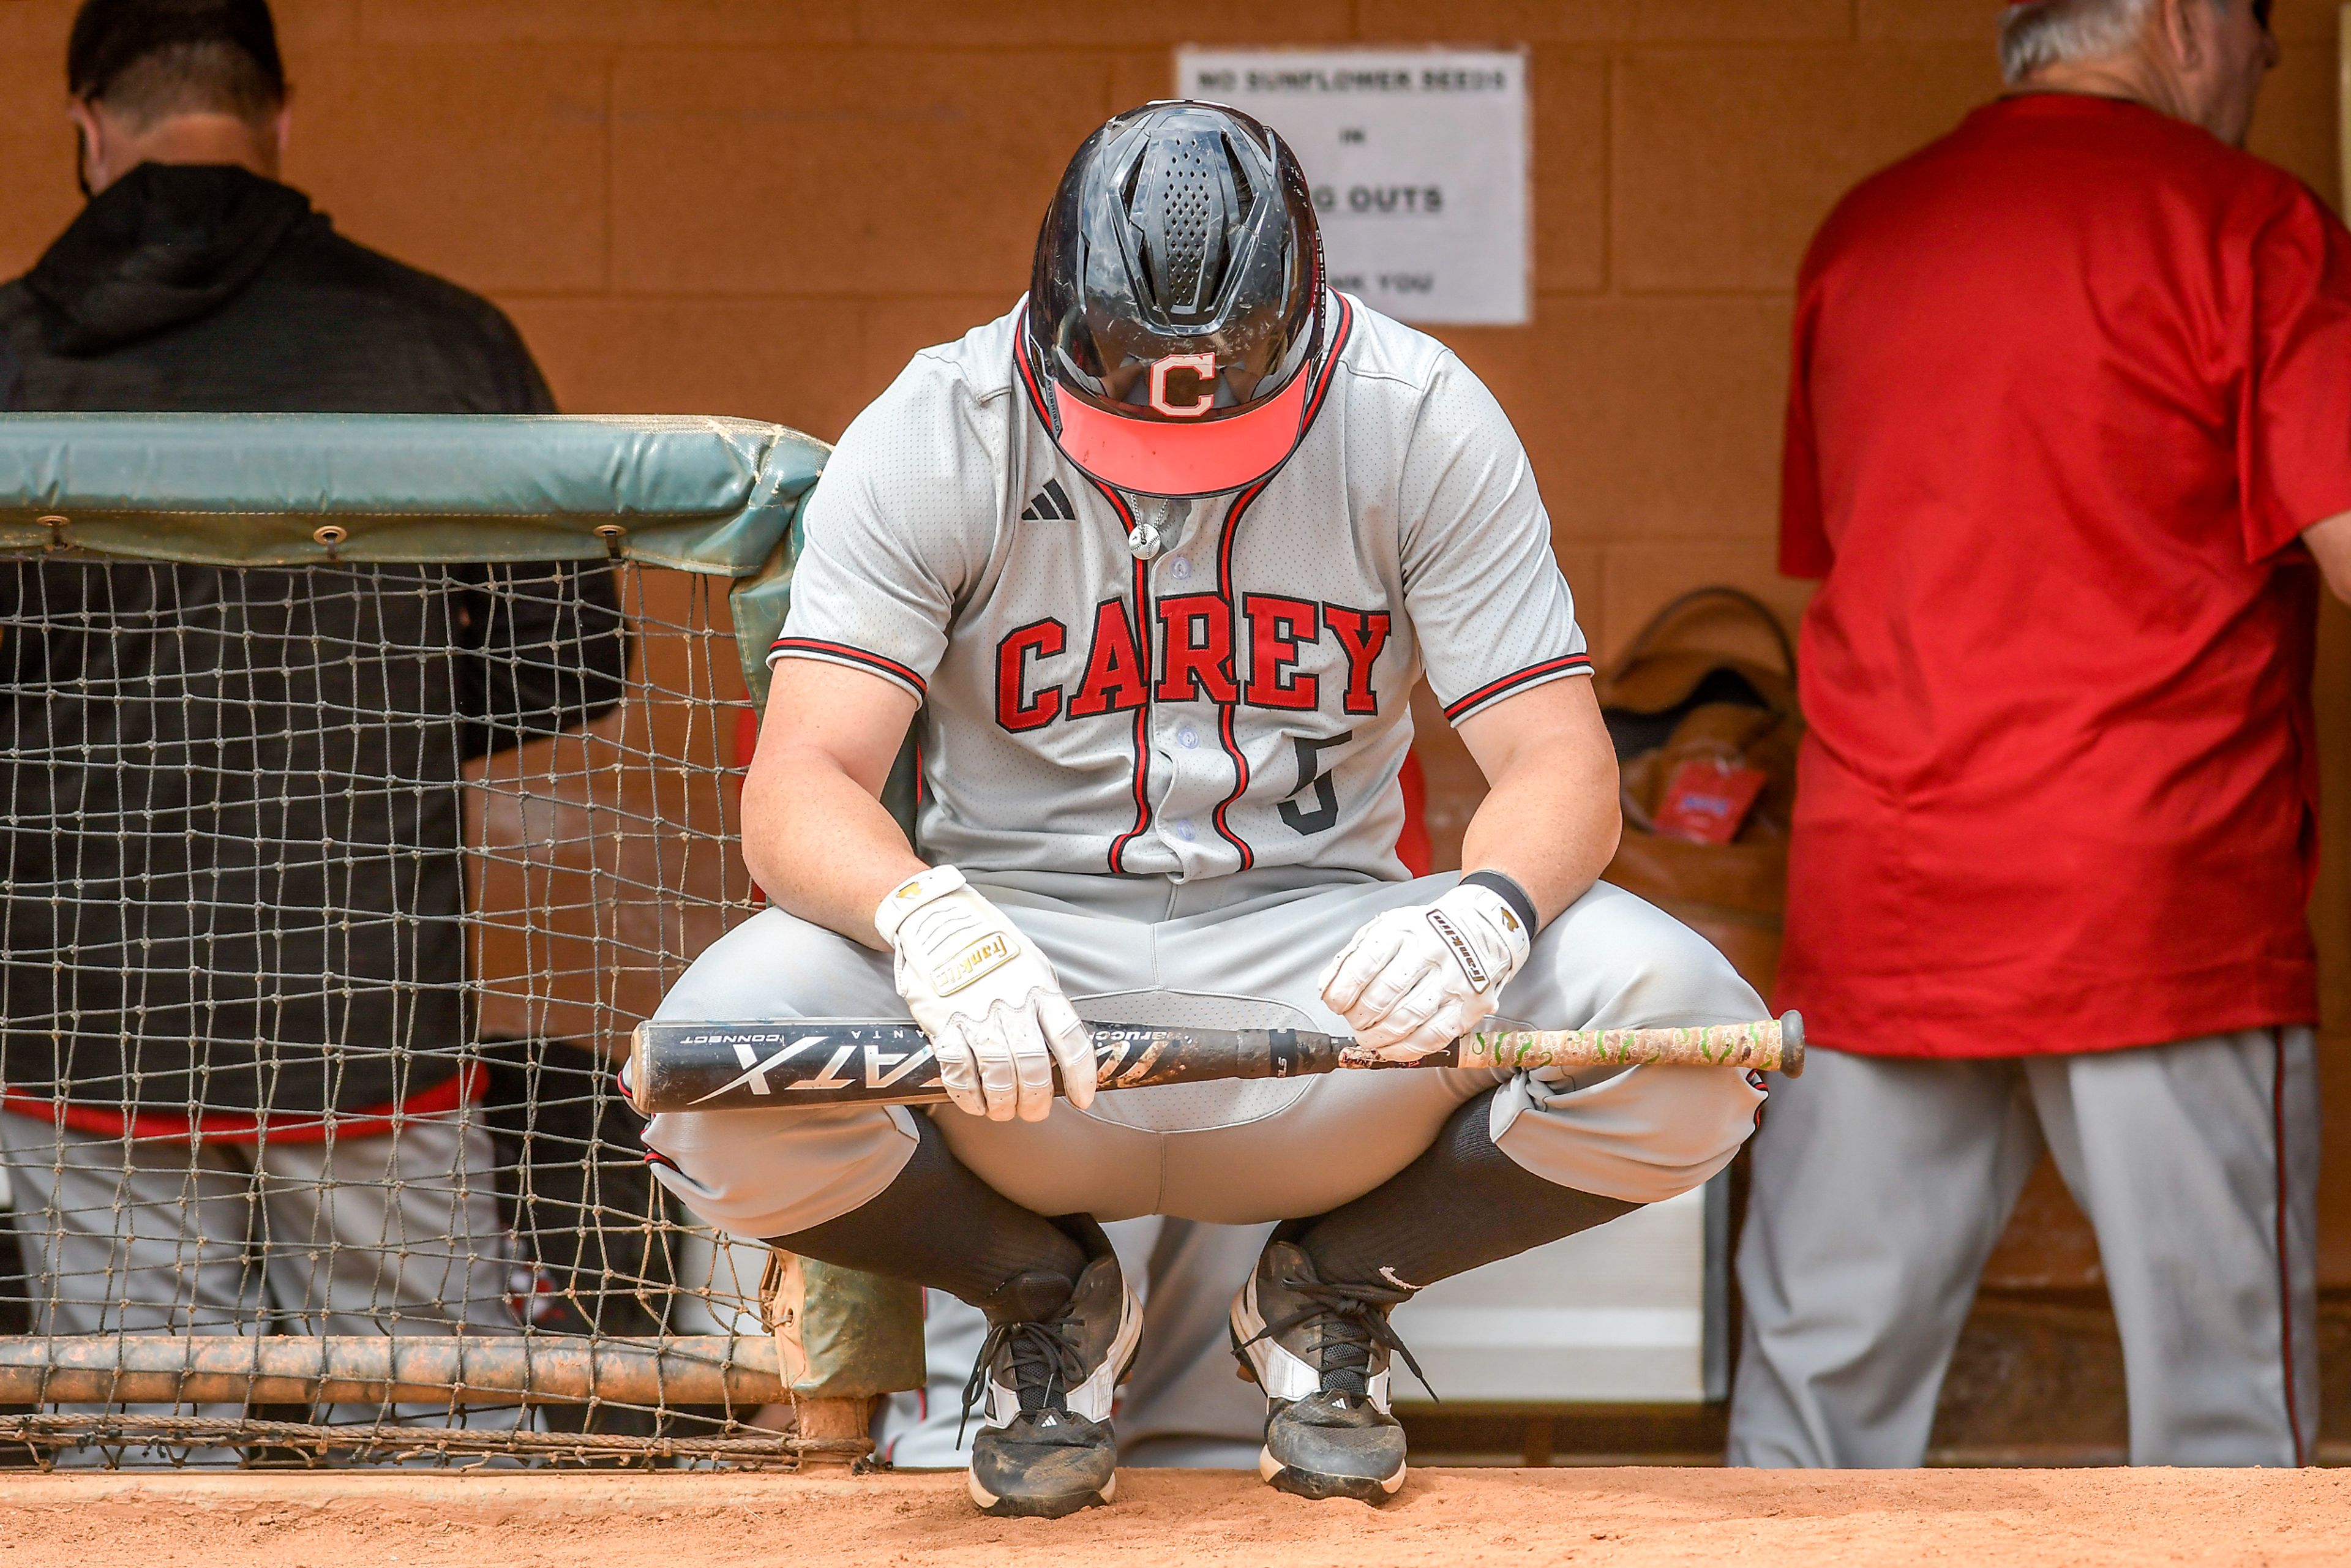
point(2069, 446)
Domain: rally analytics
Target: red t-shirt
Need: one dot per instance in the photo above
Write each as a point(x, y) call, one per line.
point(2068, 383)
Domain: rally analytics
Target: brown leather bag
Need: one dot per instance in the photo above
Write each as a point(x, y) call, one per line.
point(1672, 698)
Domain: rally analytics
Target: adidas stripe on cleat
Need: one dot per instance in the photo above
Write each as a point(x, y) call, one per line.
point(1320, 1350)
point(1044, 1384)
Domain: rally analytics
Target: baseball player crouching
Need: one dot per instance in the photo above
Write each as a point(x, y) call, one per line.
point(1155, 562)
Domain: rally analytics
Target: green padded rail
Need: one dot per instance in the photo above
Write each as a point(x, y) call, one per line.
point(700, 495)
point(714, 496)
point(720, 496)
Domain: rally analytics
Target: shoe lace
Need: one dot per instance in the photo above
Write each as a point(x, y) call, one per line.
point(1045, 1360)
point(1354, 1318)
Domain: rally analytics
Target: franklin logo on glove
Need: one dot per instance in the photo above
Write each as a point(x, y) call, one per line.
point(989, 1001)
point(1414, 980)
point(1463, 954)
point(972, 963)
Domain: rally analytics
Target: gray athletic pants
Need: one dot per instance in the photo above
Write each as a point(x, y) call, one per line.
point(393, 1233)
point(1241, 951)
point(1221, 1158)
point(1882, 1184)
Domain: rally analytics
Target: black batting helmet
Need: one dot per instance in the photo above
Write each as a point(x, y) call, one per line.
point(1178, 302)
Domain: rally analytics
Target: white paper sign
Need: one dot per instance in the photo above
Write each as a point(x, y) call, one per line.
point(1417, 159)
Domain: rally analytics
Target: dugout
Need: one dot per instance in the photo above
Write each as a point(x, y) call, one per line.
point(705, 209)
point(184, 591)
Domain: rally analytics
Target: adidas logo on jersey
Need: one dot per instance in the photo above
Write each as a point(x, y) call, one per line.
point(1050, 505)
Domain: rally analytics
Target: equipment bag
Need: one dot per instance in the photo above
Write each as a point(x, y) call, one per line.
point(1705, 744)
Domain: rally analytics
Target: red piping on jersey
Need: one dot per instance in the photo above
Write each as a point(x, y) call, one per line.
point(1036, 393)
point(843, 651)
point(1225, 737)
point(1143, 646)
point(1145, 631)
point(1143, 642)
point(1532, 672)
point(1330, 368)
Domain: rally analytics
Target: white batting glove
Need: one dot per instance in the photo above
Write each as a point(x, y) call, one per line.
point(1414, 980)
point(989, 1000)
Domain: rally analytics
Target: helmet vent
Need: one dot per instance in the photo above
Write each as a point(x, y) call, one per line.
point(1244, 198)
point(1184, 204)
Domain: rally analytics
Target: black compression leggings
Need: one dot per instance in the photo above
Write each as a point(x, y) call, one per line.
point(1462, 1203)
point(938, 1225)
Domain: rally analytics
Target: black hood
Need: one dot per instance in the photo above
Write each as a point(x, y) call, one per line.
point(164, 244)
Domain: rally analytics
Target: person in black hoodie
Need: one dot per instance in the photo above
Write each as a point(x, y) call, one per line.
point(233, 1009)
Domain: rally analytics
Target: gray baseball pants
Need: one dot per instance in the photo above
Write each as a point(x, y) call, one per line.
point(393, 1233)
point(1882, 1184)
point(1237, 951)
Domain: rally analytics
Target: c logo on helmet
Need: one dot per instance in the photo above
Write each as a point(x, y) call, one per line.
point(1202, 366)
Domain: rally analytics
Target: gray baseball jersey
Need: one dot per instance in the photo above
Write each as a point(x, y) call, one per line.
point(1241, 700)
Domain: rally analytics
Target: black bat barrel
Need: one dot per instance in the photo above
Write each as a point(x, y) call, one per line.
point(757, 1066)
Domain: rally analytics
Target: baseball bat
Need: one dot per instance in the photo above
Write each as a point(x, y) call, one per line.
point(679, 1066)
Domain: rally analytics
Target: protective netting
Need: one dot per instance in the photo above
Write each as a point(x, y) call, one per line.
point(331, 894)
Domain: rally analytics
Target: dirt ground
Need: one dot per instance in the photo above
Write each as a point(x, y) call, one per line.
point(1630, 1517)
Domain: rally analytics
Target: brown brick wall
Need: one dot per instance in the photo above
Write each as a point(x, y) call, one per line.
point(761, 208)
